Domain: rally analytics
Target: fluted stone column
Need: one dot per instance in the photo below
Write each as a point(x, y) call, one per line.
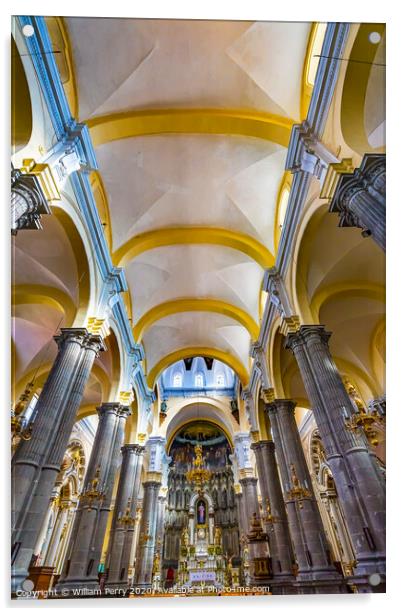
point(36, 463)
point(147, 537)
point(278, 531)
point(250, 499)
point(241, 513)
point(358, 478)
point(316, 572)
point(28, 201)
point(160, 520)
point(359, 198)
point(85, 549)
point(122, 531)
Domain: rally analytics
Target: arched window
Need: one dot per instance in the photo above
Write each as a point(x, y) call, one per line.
point(199, 380)
point(178, 379)
point(220, 380)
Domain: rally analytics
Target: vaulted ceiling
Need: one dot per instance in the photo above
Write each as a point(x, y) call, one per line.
point(190, 122)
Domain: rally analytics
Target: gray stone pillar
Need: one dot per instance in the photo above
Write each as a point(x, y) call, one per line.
point(277, 526)
point(146, 543)
point(160, 521)
point(85, 549)
point(28, 201)
point(241, 514)
point(122, 531)
point(316, 572)
point(359, 198)
point(250, 499)
point(358, 478)
point(36, 463)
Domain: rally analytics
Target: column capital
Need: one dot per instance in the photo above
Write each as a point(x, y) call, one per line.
point(246, 477)
point(133, 448)
point(29, 190)
point(81, 336)
point(305, 334)
point(263, 444)
point(113, 408)
point(281, 405)
point(359, 198)
point(361, 178)
point(153, 479)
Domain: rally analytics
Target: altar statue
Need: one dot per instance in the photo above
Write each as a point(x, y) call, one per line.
point(185, 537)
point(201, 512)
point(217, 536)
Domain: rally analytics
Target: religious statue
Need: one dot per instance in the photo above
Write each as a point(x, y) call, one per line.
point(294, 478)
point(356, 401)
point(63, 532)
point(201, 512)
point(217, 535)
point(156, 564)
point(185, 537)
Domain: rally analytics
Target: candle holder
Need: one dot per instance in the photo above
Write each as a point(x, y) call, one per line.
point(127, 520)
point(297, 491)
point(93, 492)
point(18, 429)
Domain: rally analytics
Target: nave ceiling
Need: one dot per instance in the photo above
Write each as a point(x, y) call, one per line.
point(190, 124)
point(189, 168)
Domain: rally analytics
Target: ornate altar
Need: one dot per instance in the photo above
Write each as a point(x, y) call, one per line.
point(201, 560)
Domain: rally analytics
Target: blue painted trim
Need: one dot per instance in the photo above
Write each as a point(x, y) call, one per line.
point(85, 199)
point(327, 74)
point(40, 48)
point(119, 313)
point(76, 135)
point(67, 129)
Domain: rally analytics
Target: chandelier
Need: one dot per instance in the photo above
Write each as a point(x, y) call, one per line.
point(198, 475)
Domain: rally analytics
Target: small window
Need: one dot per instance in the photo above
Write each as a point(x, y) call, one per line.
point(199, 380)
point(178, 380)
point(220, 380)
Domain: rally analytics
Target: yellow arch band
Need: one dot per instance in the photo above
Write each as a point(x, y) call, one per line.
point(46, 296)
point(223, 356)
point(193, 235)
point(195, 305)
point(136, 123)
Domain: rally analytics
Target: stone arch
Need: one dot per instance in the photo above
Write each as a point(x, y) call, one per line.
point(364, 77)
point(205, 496)
point(197, 410)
